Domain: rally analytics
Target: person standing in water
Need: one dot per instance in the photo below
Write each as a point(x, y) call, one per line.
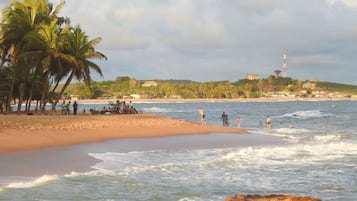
point(202, 115)
point(225, 120)
point(268, 122)
point(238, 121)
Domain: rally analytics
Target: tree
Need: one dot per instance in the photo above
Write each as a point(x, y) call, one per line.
point(79, 51)
point(41, 51)
point(248, 88)
point(19, 26)
point(260, 85)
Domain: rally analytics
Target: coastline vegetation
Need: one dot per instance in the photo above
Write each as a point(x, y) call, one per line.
point(273, 86)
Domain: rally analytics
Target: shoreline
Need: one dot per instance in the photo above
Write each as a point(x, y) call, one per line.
point(65, 160)
point(184, 100)
point(29, 132)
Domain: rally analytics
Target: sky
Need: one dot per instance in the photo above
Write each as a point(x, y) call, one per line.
point(212, 40)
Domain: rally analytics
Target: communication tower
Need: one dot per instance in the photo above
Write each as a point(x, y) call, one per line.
point(285, 68)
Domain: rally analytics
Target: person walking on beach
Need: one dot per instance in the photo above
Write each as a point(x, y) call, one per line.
point(75, 107)
point(68, 110)
point(63, 107)
point(202, 115)
point(238, 121)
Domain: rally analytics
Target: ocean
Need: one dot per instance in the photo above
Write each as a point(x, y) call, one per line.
point(310, 150)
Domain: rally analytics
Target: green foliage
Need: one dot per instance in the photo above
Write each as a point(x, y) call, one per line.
point(43, 50)
point(331, 86)
point(177, 88)
point(214, 89)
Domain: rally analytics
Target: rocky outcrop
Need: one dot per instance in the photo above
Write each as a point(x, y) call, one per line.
point(270, 198)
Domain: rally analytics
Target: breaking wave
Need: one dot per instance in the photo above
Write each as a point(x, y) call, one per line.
point(292, 130)
point(161, 110)
point(326, 138)
point(172, 163)
point(28, 184)
point(306, 114)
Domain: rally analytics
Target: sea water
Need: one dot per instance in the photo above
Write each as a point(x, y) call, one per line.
point(310, 150)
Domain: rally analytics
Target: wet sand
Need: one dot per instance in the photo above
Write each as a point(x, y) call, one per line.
point(74, 158)
point(27, 132)
point(33, 146)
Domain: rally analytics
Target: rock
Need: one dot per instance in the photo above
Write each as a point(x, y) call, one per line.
point(270, 198)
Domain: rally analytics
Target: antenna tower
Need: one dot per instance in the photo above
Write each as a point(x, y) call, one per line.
point(285, 68)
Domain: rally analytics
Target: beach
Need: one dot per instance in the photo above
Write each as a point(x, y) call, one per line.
point(165, 154)
point(25, 132)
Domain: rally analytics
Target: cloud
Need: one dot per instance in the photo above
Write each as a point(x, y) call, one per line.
point(351, 3)
point(221, 39)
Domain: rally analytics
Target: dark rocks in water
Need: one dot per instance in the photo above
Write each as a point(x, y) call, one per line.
point(270, 198)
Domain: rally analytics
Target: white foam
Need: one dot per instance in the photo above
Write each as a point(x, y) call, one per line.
point(296, 154)
point(97, 172)
point(28, 184)
point(164, 110)
point(306, 114)
point(327, 138)
point(172, 163)
point(128, 163)
point(157, 109)
point(187, 199)
point(291, 130)
point(286, 133)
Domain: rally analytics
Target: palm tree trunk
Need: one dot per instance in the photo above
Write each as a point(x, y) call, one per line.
point(33, 84)
point(21, 95)
point(26, 105)
point(44, 93)
point(36, 109)
point(54, 88)
point(68, 81)
point(9, 98)
point(30, 98)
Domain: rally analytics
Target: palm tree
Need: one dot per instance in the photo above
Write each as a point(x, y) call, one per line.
point(48, 38)
point(14, 25)
point(79, 50)
point(42, 51)
point(20, 23)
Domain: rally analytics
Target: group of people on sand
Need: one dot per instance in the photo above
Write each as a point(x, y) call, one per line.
point(120, 107)
point(66, 108)
point(225, 119)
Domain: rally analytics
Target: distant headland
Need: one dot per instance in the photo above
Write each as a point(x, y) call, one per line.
point(271, 88)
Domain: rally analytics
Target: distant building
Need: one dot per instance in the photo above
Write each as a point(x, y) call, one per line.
point(149, 84)
point(251, 77)
point(310, 85)
point(141, 96)
point(135, 96)
point(74, 97)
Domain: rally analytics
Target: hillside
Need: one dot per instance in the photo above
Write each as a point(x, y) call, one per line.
point(126, 87)
point(331, 86)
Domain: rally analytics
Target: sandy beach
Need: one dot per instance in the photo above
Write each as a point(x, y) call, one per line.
point(26, 132)
point(158, 154)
